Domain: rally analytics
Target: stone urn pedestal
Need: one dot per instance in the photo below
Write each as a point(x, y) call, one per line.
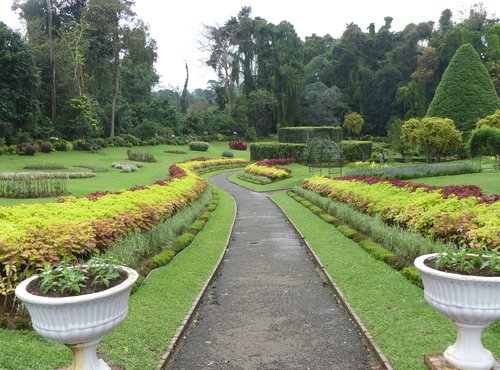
point(471, 303)
point(79, 322)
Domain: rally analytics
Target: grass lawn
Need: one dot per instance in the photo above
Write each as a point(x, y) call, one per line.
point(112, 180)
point(156, 310)
point(488, 181)
point(392, 308)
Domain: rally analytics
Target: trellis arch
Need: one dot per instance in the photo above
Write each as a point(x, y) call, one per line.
point(323, 155)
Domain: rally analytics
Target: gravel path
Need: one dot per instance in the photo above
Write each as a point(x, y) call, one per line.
point(269, 308)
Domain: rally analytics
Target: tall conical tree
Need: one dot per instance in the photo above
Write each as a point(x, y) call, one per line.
point(465, 93)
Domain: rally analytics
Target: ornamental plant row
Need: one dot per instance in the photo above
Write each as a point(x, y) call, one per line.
point(31, 235)
point(457, 214)
point(269, 168)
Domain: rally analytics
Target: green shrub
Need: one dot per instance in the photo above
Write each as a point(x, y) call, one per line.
point(44, 166)
point(327, 218)
point(62, 145)
point(228, 154)
point(413, 275)
point(346, 230)
point(182, 242)
point(302, 134)
point(316, 210)
point(46, 147)
point(356, 150)
point(200, 146)
point(466, 92)
point(134, 155)
point(261, 151)
point(196, 226)
point(161, 259)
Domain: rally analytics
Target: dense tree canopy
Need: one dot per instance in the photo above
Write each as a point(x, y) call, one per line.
point(86, 68)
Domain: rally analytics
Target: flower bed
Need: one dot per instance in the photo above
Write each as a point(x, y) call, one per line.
point(268, 168)
point(75, 227)
point(458, 214)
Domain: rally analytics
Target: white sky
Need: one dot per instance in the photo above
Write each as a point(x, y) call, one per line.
point(176, 25)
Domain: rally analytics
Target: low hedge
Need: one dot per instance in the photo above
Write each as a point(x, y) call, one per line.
point(200, 146)
point(356, 150)
point(276, 150)
point(302, 134)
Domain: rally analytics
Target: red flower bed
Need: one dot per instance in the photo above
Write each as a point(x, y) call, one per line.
point(237, 145)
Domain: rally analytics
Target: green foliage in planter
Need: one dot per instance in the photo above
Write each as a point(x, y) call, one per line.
point(261, 151)
point(134, 155)
point(302, 134)
point(465, 92)
point(356, 150)
point(200, 146)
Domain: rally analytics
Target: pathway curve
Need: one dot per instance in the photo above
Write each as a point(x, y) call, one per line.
point(269, 308)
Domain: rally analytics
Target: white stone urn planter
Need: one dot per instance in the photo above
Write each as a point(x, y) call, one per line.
point(80, 322)
point(471, 303)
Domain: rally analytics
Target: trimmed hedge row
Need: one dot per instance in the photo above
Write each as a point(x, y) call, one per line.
point(352, 151)
point(302, 134)
point(276, 150)
point(356, 150)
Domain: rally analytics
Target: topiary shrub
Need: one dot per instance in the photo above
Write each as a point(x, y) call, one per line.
point(302, 134)
point(465, 93)
point(200, 146)
point(227, 153)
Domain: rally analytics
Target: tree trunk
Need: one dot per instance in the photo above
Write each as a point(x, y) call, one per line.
point(117, 86)
point(52, 63)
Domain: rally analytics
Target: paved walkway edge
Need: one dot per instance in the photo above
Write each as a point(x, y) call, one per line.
point(167, 357)
point(343, 301)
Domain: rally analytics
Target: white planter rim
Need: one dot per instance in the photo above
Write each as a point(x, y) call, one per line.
point(420, 265)
point(24, 295)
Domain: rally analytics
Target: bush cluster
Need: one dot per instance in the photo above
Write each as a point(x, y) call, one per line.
point(201, 146)
point(228, 154)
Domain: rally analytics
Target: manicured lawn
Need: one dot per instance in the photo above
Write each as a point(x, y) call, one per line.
point(393, 309)
point(156, 309)
point(112, 180)
point(488, 181)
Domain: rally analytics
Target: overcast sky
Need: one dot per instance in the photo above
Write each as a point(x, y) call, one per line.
point(176, 25)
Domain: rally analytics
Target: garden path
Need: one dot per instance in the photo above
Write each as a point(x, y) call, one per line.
point(269, 308)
